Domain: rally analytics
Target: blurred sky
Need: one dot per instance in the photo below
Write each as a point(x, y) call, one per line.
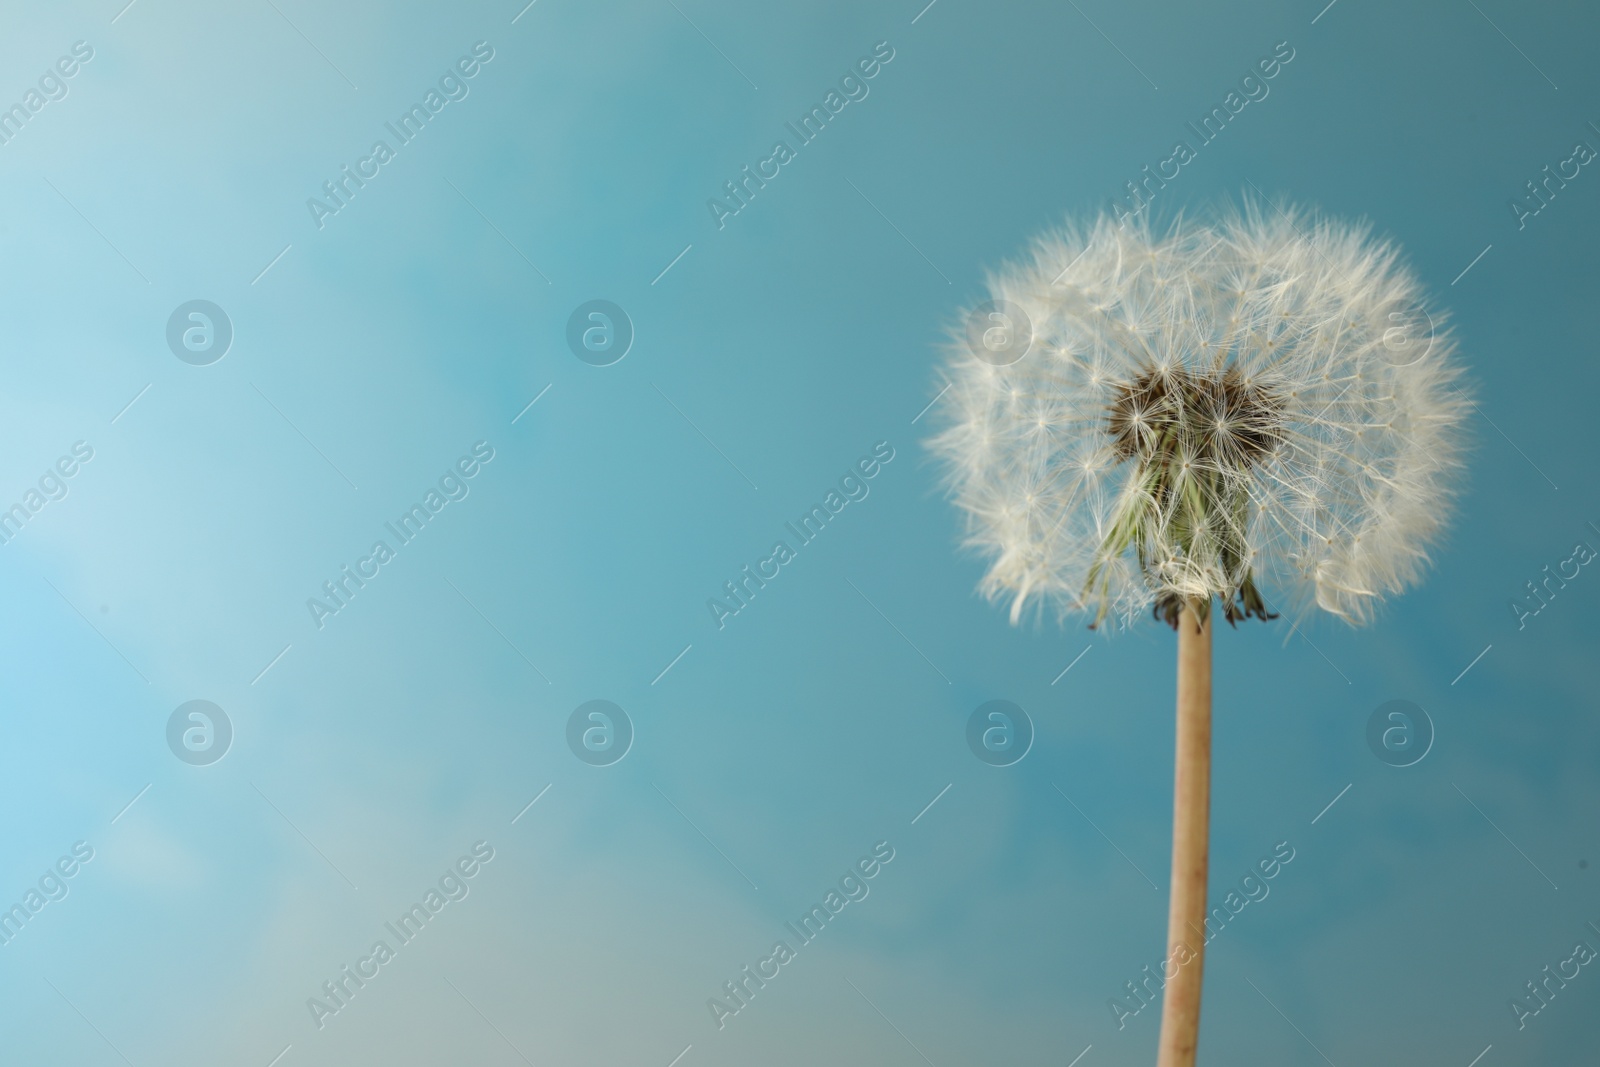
point(373, 352)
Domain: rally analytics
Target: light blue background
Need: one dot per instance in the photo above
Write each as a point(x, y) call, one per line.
point(379, 748)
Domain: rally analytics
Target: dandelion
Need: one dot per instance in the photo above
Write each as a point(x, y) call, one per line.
point(1226, 412)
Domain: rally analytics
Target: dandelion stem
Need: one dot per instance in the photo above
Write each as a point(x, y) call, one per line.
point(1191, 812)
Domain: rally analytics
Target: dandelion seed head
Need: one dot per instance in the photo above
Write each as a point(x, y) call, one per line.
point(1210, 410)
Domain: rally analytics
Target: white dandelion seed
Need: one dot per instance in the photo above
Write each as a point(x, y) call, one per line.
point(1204, 413)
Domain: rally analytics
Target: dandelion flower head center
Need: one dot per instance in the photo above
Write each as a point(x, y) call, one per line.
point(1219, 420)
point(1194, 436)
